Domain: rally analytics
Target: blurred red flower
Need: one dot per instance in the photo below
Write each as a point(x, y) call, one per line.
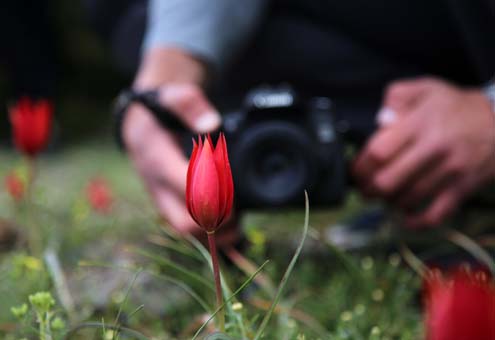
point(15, 186)
point(99, 195)
point(460, 306)
point(31, 124)
point(209, 189)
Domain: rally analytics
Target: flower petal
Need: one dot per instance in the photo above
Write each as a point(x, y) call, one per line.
point(31, 123)
point(204, 189)
point(189, 175)
point(224, 177)
point(461, 306)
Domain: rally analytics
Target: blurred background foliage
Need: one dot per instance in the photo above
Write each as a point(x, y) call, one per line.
point(86, 82)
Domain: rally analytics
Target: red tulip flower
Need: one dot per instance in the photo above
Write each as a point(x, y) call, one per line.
point(15, 186)
point(99, 195)
point(209, 198)
point(460, 306)
point(31, 124)
point(209, 190)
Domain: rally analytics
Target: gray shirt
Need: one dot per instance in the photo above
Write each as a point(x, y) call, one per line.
point(213, 30)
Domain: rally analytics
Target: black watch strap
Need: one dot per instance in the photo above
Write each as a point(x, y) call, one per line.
point(150, 100)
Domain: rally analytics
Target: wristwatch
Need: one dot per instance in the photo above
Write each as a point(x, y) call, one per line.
point(149, 99)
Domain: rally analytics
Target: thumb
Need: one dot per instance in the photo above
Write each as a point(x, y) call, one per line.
point(188, 103)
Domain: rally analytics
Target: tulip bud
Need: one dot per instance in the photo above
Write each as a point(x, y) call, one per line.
point(15, 186)
point(31, 124)
point(209, 189)
point(99, 195)
point(460, 306)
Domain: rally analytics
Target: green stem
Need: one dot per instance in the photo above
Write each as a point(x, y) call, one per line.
point(31, 168)
point(42, 327)
point(34, 236)
point(218, 284)
point(47, 326)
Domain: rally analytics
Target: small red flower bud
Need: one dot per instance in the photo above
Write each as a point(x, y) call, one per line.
point(15, 186)
point(460, 306)
point(210, 189)
point(99, 195)
point(31, 124)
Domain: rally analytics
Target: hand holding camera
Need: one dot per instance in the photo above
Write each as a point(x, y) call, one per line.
point(437, 152)
point(280, 143)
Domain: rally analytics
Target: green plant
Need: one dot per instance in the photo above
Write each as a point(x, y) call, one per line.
point(41, 306)
point(330, 294)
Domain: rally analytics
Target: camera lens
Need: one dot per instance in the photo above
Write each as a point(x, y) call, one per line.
point(273, 164)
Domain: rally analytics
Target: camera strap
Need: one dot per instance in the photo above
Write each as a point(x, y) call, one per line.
point(149, 99)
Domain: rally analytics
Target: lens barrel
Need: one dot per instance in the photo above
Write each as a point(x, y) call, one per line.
point(273, 163)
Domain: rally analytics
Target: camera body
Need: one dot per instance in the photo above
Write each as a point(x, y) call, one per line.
point(279, 145)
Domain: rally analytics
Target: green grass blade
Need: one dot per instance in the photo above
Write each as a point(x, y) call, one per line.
point(185, 287)
point(248, 281)
point(104, 328)
point(345, 259)
point(137, 310)
point(177, 246)
point(471, 247)
point(99, 325)
point(122, 305)
point(186, 272)
point(412, 260)
point(288, 272)
point(163, 277)
point(226, 291)
point(218, 336)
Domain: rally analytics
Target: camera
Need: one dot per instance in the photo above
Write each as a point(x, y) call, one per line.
point(279, 144)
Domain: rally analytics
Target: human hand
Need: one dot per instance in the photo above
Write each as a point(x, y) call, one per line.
point(438, 150)
point(155, 151)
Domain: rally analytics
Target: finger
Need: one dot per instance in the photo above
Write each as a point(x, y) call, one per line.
point(399, 172)
point(382, 148)
point(442, 206)
point(402, 95)
point(189, 103)
point(426, 185)
point(400, 98)
point(162, 161)
point(173, 209)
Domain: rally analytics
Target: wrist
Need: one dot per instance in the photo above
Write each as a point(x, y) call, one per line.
point(160, 66)
point(146, 102)
point(169, 65)
point(136, 122)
